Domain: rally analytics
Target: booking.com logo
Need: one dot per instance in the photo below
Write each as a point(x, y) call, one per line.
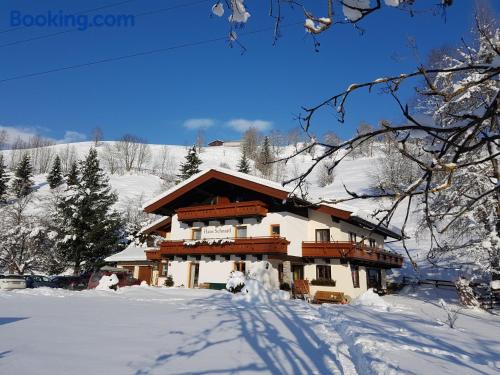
point(79, 21)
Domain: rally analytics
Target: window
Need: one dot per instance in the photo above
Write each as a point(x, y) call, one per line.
point(373, 243)
point(323, 272)
point(352, 237)
point(196, 235)
point(355, 276)
point(241, 232)
point(240, 266)
point(163, 269)
point(275, 230)
point(322, 235)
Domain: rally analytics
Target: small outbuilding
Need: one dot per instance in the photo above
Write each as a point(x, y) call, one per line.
point(216, 142)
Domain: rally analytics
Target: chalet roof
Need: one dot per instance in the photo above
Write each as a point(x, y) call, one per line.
point(131, 253)
point(162, 221)
point(271, 188)
point(264, 186)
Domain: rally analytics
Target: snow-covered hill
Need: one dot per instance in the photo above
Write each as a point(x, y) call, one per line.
point(356, 175)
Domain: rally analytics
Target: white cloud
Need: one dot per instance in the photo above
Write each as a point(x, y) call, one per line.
point(72, 136)
point(14, 133)
point(241, 125)
point(198, 123)
point(26, 133)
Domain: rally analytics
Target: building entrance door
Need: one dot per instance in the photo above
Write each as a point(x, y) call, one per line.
point(194, 274)
point(374, 278)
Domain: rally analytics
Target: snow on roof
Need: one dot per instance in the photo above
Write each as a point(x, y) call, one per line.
point(244, 176)
point(154, 223)
point(131, 253)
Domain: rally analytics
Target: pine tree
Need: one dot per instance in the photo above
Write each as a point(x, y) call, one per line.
point(244, 165)
point(88, 228)
point(22, 185)
point(191, 165)
point(265, 158)
point(4, 179)
point(54, 177)
point(72, 175)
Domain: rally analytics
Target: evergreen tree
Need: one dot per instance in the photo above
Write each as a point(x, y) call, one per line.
point(191, 165)
point(265, 159)
point(4, 179)
point(54, 177)
point(88, 228)
point(72, 175)
point(244, 164)
point(22, 185)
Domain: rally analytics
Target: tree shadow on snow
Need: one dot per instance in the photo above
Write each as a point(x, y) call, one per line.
point(283, 340)
point(7, 320)
point(404, 334)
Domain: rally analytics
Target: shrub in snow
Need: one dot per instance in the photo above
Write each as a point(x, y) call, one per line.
point(452, 312)
point(466, 293)
point(108, 282)
point(169, 281)
point(285, 286)
point(236, 281)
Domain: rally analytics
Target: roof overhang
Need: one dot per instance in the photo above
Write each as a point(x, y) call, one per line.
point(336, 212)
point(160, 225)
point(270, 189)
point(376, 228)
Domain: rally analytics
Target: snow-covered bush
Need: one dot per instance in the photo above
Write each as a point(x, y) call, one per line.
point(108, 282)
point(236, 281)
point(169, 281)
point(466, 293)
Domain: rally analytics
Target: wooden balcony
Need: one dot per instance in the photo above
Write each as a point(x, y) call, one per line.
point(351, 251)
point(230, 246)
point(222, 211)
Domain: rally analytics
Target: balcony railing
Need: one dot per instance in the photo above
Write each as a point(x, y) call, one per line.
point(351, 251)
point(222, 211)
point(223, 246)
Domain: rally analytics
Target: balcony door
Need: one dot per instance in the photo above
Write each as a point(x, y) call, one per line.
point(374, 278)
point(322, 235)
point(194, 273)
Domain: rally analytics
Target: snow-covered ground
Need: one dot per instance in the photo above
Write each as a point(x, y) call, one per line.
point(407, 334)
point(145, 330)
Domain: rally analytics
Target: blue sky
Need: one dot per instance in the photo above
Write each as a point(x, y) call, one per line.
point(163, 96)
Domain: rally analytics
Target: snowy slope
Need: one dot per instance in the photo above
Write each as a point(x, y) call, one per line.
point(354, 174)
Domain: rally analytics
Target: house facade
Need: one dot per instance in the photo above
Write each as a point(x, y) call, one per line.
point(219, 221)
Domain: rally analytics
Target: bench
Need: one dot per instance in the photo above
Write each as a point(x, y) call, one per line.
point(322, 296)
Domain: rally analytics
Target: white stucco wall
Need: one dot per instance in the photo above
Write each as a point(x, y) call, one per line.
point(292, 226)
point(341, 273)
point(179, 270)
point(214, 271)
point(217, 271)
